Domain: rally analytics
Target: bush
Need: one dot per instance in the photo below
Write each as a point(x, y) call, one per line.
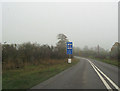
point(18, 55)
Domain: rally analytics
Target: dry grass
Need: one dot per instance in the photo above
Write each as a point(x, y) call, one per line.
point(31, 75)
point(10, 64)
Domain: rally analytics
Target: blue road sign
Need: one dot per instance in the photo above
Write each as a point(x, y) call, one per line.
point(69, 47)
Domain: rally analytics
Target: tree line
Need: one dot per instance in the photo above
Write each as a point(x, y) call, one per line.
point(99, 52)
point(16, 55)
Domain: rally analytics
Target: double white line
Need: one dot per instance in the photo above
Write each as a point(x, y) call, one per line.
point(98, 71)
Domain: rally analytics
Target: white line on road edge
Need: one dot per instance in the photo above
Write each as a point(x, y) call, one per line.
point(105, 83)
point(106, 76)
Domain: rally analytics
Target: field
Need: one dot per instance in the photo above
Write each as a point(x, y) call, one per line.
point(32, 75)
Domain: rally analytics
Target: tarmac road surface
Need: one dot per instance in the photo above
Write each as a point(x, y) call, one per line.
point(86, 74)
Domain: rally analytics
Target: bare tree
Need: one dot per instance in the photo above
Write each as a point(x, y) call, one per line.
point(61, 45)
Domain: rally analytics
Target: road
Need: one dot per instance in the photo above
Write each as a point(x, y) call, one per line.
point(86, 74)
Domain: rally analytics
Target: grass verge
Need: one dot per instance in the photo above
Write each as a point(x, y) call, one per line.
point(32, 75)
point(109, 61)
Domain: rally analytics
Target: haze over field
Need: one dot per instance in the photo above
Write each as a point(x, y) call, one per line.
point(34, 36)
point(84, 23)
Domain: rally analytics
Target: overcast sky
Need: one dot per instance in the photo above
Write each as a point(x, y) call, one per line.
point(84, 23)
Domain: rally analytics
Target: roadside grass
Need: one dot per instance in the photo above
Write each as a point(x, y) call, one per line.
point(32, 75)
point(109, 61)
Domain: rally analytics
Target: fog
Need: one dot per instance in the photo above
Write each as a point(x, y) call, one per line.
point(84, 23)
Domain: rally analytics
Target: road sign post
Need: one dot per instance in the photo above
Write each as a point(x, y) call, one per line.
point(69, 50)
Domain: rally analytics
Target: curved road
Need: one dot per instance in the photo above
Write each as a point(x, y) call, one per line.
point(86, 74)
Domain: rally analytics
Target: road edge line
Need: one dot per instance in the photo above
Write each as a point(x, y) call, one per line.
point(104, 82)
point(107, 78)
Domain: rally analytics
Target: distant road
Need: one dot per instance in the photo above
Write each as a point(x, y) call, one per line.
point(86, 74)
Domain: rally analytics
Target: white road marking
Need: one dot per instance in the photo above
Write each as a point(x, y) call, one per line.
point(105, 83)
point(105, 76)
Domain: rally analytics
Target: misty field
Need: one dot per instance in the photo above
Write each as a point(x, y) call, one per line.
point(32, 75)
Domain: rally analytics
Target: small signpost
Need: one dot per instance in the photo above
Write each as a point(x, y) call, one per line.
point(69, 50)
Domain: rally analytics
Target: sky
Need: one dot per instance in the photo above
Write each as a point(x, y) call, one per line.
point(84, 23)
